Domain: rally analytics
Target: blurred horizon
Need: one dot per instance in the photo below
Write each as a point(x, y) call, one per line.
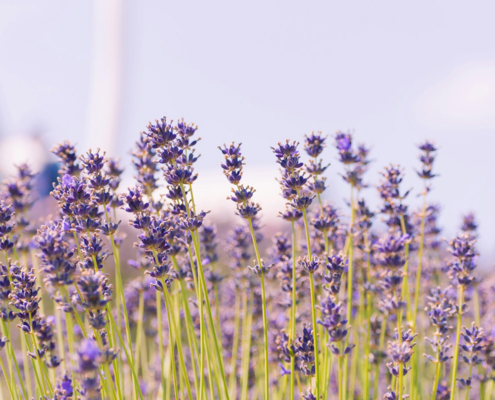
point(97, 72)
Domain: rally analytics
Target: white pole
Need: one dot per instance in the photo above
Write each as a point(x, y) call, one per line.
point(106, 77)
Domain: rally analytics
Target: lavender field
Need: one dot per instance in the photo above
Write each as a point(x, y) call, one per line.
point(344, 303)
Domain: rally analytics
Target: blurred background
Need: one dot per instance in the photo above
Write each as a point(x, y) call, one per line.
point(395, 73)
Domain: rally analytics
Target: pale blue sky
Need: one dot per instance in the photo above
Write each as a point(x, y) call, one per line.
point(260, 72)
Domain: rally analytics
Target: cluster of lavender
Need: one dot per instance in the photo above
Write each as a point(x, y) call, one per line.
point(345, 304)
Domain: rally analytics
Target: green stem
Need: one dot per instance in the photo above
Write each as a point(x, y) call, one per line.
point(199, 293)
point(201, 290)
point(175, 314)
point(145, 364)
point(284, 388)
point(199, 296)
point(70, 340)
point(469, 387)
point(119, 297)
point(209, 313)
point(172, 323)
point(160, 337)
point(477, 319)
point(437, 379)
point(41, 387)
point(25, 367)
point(246, 346)
point(60, 338)
point(190, 334)
point(77, 245)
point(367, 366)
point(171, 347)
point(128, 356)
point(313, 309)
point(316, 327)
point(399, 338)
point(399, 382)
point(415, 357)
point(265, 324)
point(293, 311)
point(6, 331)
point(43, 370)
point(350, 280)
point(235, 348)
point(120, 287)
point(457, 340)
point(315, 334)
point(140, 329)
point(117, 371)
point(108, 376)
point(381, 345)
point(328, 370)
point(292, 376)
point(489, 389)
point(405, 282)
point(7, 379)
point(168, 362)
point(217, 311)
point(6, 328)
point(40, 361)
point(265, 331)
point(208, 361)
point(362, 318)
point(420, 261)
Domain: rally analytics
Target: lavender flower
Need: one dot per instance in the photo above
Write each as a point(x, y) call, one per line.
point(88, 355)
point(335, 265)
point(470, 225)
point(64, 389)
point(427, 158)
point(310, 265)
point(336, 326)
point(260, 269)
point(400, 352)
point(144, 164)
point(440, 311)
point(305, 351)
point(232, 167)
point(161, 134)
point(3, 342)
point(461, 269)
point(25, 297)
point(390, 251)
point(286, 350)
point(308, 395)
point(472, 347)
point(67, 155)
point(354, 160)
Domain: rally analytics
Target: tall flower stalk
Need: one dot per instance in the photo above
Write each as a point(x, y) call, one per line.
point(473, 344)
point(460, 272)
point(440, 311)
point(354, 166)
point(293, 216)
point(295, 188)
point(248, 210)
point(427, 158)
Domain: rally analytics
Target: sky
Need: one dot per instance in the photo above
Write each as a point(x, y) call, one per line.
point(395, 73)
